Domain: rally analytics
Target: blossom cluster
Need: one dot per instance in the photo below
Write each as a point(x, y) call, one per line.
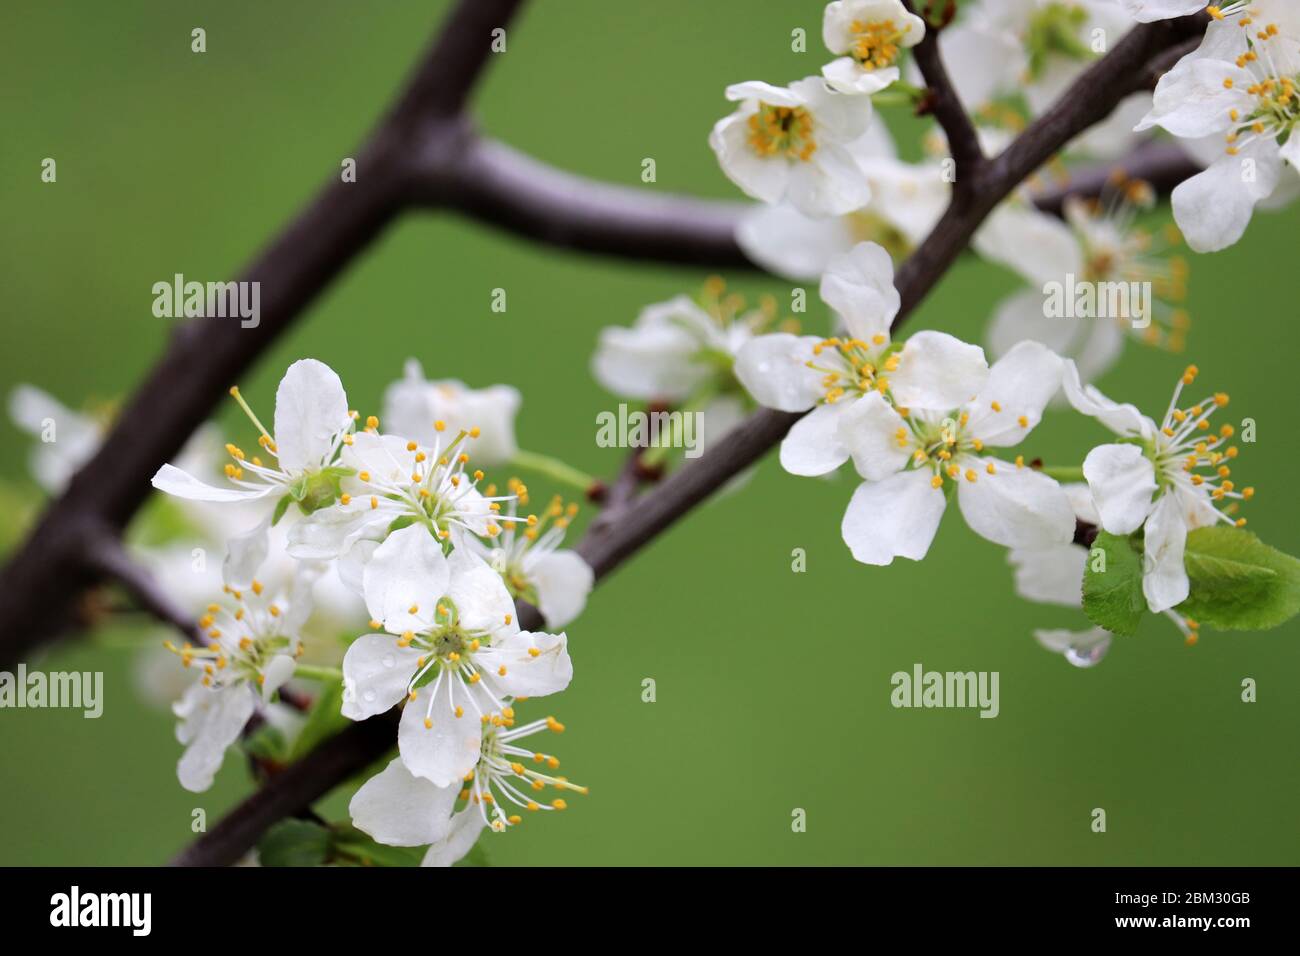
point(405, 520)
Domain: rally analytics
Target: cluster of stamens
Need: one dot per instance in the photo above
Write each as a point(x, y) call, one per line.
point(1186, 450)
point(852, 367)
point(876, 43)
point(782, 131)
point(240, 641)
point(533, 533)
point(504, 767)
point(451, 650)
point(1277, 105)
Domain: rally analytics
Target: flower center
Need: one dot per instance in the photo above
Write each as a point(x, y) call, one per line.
point(1185, 452)
point(1277, 107)
point(852, 366)
point(782, 131)
point(876, 42)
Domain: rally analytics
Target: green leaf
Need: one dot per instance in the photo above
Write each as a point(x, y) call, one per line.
point(324, 720)
point(1238, 583)
point(281, 507)
point(353, 846)
point(1112, 598)
point(294, 843)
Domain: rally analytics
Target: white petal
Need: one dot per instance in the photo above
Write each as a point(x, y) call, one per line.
point(656, 358)
point(331, 532)
point(1191, 100)
point(1164, 578)
point(1037, 246)
point(277, 672)
point(812, 446)
point(1122, 481)
point(845, 75)
point(1214, 207)
point(311, 409)
point(1148, 11)
point(830, 184)
point(245, 554)
point(1080, 648)
point(465, 829)
point(525, 675)
point(937, 372)
point(407, 571)
point(1021, 383)
point(1124, 420)
point(869, 430)
point(376, 671)
point(859, 285)
point(784, 241)
point(481, 599)
point(173, 481)
point(1080, 496)
point(1052, 575)
point(447, 750)
point(1016, 507)
point(774, 369)
point(398, 808)
point(759, 177)
point(894, 518)
point(562, 580)
point(211, 721)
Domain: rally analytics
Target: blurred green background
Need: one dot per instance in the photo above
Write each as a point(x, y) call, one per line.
point(773, 687)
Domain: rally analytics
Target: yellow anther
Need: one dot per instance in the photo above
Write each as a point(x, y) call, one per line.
point(533, 651)
point(428, 723)
point(936, 482)
point(440, 425)
point(372, 421)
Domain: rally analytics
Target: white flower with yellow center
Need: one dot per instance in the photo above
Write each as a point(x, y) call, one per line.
point(453, 650)
point(312, 422)
point(391, 482)
point(791, 144)
point(532, 564)
point(412, 404)
point(1099, 243)
point(398, 808)
point(252, 642)
point(1239, 86)
point(910, 444)
point(1154, 479)
point(907, 199)
point(831, 375)
point(868, 36)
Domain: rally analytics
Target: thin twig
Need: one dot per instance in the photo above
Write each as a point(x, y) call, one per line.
point(943, 103)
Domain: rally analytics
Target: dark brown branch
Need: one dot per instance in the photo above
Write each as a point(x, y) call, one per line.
point(335, 760)
point(942, 102)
